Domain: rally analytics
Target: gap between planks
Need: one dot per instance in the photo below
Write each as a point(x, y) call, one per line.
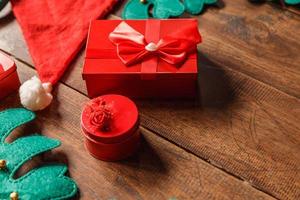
point(209, 162)
point(115, 17)
point(153, 131)
point(287, 8)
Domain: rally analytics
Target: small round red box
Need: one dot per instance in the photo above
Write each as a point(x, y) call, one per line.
point(122, 139)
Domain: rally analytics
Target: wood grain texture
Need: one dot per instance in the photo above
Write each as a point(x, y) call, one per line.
point(239, 125)
point(12, 40)
point(246, 120)
point(160, 170)
point(261, 41)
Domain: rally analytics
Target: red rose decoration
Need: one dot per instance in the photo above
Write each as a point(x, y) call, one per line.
point(101, 115)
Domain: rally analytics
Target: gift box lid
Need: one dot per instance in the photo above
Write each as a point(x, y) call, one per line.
point(109, 118)
point(101, 54)
point(7, 65)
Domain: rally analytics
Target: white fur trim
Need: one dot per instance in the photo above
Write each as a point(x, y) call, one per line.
point(35, 95)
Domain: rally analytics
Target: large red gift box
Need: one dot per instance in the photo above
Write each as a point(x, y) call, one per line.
point(158, 60)
point(9, 80)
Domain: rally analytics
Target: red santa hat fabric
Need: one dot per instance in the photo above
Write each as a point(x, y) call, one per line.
point(54, 31)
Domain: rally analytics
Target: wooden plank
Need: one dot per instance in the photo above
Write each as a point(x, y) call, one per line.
point(295, 9)
point(243, 126)
point(12, 40)
point(258, 40)
point(240, 125)
point(160, 170)
point(262, 42)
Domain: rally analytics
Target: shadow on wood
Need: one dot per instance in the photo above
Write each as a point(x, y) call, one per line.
point(146, 160)
point(214, 89)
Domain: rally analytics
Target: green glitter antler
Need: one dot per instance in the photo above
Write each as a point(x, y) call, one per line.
point(292, 2)
point(196, 7)
point(46, 182)
point(137, 9)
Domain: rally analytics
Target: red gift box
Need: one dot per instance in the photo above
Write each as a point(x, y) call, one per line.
point(114, 64)
point(9, 80)
point(110, 127)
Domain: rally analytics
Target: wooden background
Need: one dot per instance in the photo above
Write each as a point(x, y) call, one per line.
point(239, 140)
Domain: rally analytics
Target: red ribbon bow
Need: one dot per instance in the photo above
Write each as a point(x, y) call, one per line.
point(132, 47)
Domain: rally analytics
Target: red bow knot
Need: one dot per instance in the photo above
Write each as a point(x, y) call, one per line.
point(132, 47)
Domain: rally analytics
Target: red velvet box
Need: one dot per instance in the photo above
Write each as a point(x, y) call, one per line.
point(9, 80)
point(104, 72)
point(110, 125)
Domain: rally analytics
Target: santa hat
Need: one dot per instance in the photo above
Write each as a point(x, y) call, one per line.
point(54, 31)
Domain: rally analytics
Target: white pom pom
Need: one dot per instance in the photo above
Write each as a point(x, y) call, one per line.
point(35, 95)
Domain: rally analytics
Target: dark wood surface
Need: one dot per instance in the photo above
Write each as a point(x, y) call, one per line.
point(239, 140)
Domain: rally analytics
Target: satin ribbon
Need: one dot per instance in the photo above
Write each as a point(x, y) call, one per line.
point(2, 69)
point(132, 47)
